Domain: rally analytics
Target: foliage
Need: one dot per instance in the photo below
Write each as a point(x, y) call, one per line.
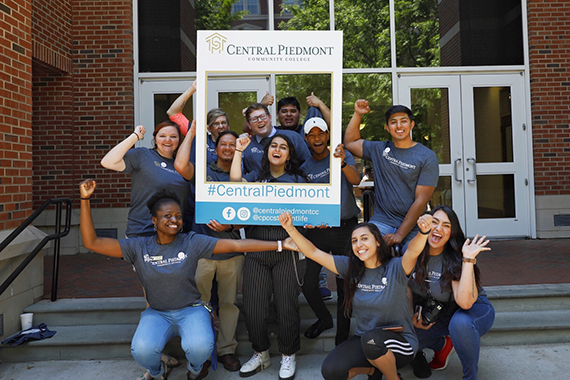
point(215, 14)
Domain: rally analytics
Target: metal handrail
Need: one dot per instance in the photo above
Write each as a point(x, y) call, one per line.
point(55, 236)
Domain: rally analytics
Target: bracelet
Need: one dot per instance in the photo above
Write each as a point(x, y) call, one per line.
point(84, 199)
point(279, 246)
point(237, 150)
point(136, 134)
point(344, 164)
point(425, 233)
point(469, 260)
point(231, 228)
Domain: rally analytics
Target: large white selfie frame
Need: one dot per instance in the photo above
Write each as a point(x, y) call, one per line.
point(278, 52)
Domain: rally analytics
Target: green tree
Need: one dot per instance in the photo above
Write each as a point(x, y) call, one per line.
point(215, 14)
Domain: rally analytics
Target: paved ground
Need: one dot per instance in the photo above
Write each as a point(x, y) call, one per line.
point(504, 363)
point(510, 262)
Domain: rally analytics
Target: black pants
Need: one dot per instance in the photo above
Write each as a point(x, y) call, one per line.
point(357, 350)
point(266, 274)
point(334, 240)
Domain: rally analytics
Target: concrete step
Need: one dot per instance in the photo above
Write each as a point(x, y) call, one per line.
point(103, 328)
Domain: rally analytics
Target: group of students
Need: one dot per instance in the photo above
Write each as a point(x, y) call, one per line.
point(430, 297)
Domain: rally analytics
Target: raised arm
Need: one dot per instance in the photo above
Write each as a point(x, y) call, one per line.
point(114, 158)
point(178, 105)
point(350, 171)
point(465, 290)
point(235, 170)
point(182, 162)
point(104, 246)
point(305, 245)
point(314, 101)
point(417, 244)
point(352, 139)
point(423, 195)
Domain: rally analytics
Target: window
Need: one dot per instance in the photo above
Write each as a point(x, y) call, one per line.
point(251, 6)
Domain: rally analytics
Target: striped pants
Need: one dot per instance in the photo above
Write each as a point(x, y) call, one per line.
point(266, 274)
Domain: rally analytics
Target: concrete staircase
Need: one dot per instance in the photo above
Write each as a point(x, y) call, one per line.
point(103, 328)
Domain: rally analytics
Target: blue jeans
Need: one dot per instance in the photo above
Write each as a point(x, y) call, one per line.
point(156, 328)
point(465, 328)
point(386, 229)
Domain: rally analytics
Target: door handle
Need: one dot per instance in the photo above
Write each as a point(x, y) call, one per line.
point(458, 161)
point(474, 162)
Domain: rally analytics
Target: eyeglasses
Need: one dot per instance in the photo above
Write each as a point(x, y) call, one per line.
point(220, 124)
point(255, 119)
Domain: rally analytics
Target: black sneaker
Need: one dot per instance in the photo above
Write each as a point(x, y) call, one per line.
point(421, 366)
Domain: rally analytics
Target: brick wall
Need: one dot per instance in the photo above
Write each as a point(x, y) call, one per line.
point(549, 41)
point(83, 115)
point(15, 113)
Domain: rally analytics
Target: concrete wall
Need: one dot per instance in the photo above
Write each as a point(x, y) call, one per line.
point(28, 287)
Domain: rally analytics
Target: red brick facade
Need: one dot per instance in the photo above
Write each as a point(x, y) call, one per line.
point(549, 42)
point(15, 112)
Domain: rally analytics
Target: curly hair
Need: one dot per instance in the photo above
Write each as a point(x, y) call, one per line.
point(356, 266)
point(160, 198)
point(294, 164)
point(452, 256)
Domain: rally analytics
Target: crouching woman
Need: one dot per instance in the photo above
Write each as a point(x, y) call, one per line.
point(166, 266)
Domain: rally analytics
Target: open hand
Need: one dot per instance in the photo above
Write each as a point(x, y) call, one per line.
point(214, 225)
point(472, 248)
point(87, 187)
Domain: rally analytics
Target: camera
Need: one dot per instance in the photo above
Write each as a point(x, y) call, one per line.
point(431, 310)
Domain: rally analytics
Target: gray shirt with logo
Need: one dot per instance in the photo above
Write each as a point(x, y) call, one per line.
point(381, 298)
point(167, 271)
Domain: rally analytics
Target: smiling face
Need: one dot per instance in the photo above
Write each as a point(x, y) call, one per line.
point(440, 232)
point(226, 148)
point(168, 219)
point(289, 116)
point(278, 152)
point(260, 122)
point(166, 141)
point(400, 127)
point(218, 126)
point(318, 141)
point(365, 246)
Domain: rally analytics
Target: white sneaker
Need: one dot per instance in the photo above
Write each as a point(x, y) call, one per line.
point(288, 365)
point(258, 362)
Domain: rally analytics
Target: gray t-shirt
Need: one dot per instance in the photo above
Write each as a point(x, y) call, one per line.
point(167, 271)
point(397, 173)
point(381, 298)
point(319, 172)
point(434, 272)
point(150, 173)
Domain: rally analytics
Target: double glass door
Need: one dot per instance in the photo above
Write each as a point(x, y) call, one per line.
point(476, 125)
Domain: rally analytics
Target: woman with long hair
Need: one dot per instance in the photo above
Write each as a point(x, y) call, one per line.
point(375, 292)
point(453, 311)
point(271, 273)
point(166, 266)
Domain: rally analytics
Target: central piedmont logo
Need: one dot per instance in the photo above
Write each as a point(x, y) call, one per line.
point(216, 42)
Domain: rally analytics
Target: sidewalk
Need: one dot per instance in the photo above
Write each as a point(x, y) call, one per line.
point(505, 363)
point(510, 262)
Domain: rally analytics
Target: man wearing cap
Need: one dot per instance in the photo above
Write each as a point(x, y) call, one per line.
point(405, 172)
point(317, 169)
point(258, 119)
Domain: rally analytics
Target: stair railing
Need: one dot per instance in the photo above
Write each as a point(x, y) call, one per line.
point(57, 235)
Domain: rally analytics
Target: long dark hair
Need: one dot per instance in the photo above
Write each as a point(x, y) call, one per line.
point(452, 256)
point(293, 166)
point(356, 266)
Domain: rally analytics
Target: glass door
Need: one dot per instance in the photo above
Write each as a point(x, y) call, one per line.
point(475, 124)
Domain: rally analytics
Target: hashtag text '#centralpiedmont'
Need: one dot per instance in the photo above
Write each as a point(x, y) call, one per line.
point(268, 191)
